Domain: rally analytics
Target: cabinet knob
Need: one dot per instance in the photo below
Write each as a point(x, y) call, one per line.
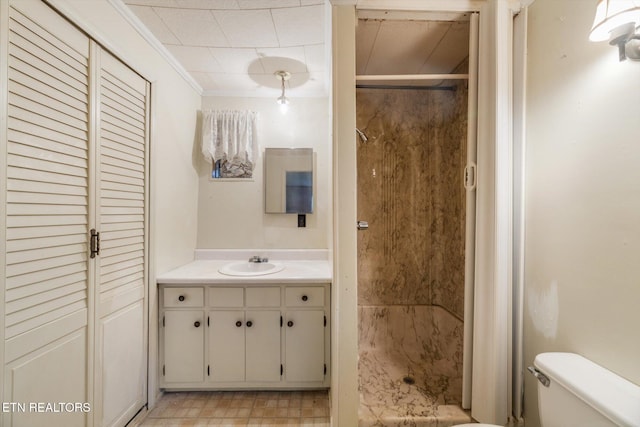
point(238, 323)
point(249, 324)
point(181, 298)
point(197, 324)
point(290, 323)
point(304, 297)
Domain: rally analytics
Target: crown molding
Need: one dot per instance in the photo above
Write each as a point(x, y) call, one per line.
point(155, 43)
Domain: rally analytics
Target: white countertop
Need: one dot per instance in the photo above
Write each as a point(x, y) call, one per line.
point(204, 270)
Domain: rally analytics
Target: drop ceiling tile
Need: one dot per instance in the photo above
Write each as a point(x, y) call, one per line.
point(193, 27)
point(235, 82)
point(403, 49)
point(299, 25)
point(207, 4)
point(452, 50)
point(315, 57)
point(206, 81)
point(195, 58)
point(161, 3)
point(366, 33)
point(290, 59)
point(314, 85)
point(237, 60)
point(152, 21)
point(267, 4)
point(298, 80)
point(247, 28)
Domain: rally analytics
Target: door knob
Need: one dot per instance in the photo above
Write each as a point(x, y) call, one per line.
point(249, 324)
point(238, 323)
point(197, 324)
point(290, 323)
point(363, 225)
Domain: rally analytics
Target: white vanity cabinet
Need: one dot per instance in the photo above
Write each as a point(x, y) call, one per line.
point(184, 334)
point(304, 329)
point(244, 334)
point(228, 336)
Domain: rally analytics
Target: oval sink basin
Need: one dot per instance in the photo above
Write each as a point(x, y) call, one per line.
point(245, 268)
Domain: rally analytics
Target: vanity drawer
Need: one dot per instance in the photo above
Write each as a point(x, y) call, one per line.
point(226, 297)
point(304, 296)
point(183, 297)
point(263, 297)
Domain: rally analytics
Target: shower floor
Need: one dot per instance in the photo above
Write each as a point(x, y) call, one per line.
point(407, 368)
point(387, 400)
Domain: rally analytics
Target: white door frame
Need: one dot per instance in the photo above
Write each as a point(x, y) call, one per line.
point(492, 306)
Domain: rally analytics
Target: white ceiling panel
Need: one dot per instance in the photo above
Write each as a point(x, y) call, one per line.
point(195, 58)
point(290, 59)
point(241, 83)
point(161, 3)
point(236, 60)
point(152, 21)
point(389, 56)
point(207, 80)
point(404, 46)
point(315, 57)
point(247, 28)
point(452, 50)
point(206, 4)
point(366, 34)
point(193, 27)
point(233, 47)
point(299, 25)
point(267, 4)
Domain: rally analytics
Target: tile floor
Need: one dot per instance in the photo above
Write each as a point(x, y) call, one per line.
point(241, 408)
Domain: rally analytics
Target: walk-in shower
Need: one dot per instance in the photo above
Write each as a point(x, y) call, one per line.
point(411, 258)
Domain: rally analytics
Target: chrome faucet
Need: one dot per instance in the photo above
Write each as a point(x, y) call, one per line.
point(256, 258)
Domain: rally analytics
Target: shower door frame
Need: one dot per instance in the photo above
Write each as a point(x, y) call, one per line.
point(491, 383)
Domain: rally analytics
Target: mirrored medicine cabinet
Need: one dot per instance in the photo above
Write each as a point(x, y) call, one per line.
point(288, 180)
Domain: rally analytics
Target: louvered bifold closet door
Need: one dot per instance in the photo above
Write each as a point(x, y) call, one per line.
point(46, 311)
point(121, 269)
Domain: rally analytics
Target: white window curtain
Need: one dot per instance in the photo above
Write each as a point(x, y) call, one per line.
point(230, 136)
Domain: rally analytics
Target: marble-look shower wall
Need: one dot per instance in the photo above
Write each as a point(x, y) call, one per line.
point(410, 190)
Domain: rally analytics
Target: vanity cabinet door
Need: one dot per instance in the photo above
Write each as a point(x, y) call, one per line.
point(304, 346)
point(262, 345)
point(226, 345)
point(183, 346)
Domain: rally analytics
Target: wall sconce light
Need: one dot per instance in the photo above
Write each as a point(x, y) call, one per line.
point(616, 21)
point(282, 100)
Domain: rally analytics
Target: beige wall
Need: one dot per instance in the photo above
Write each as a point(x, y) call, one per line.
point(231, 214)
point(582, 279)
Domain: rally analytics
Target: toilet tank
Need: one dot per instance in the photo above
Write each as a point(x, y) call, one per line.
point(582, 393)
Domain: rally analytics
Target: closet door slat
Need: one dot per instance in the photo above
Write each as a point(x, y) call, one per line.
point(35, 291)
point(122, 219)
point(67, 40)
point(110, 137)
point(23, 131)
point(47, 170)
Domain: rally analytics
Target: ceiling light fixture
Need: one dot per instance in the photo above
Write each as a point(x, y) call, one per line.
point(617, 21)
point(282, 100)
